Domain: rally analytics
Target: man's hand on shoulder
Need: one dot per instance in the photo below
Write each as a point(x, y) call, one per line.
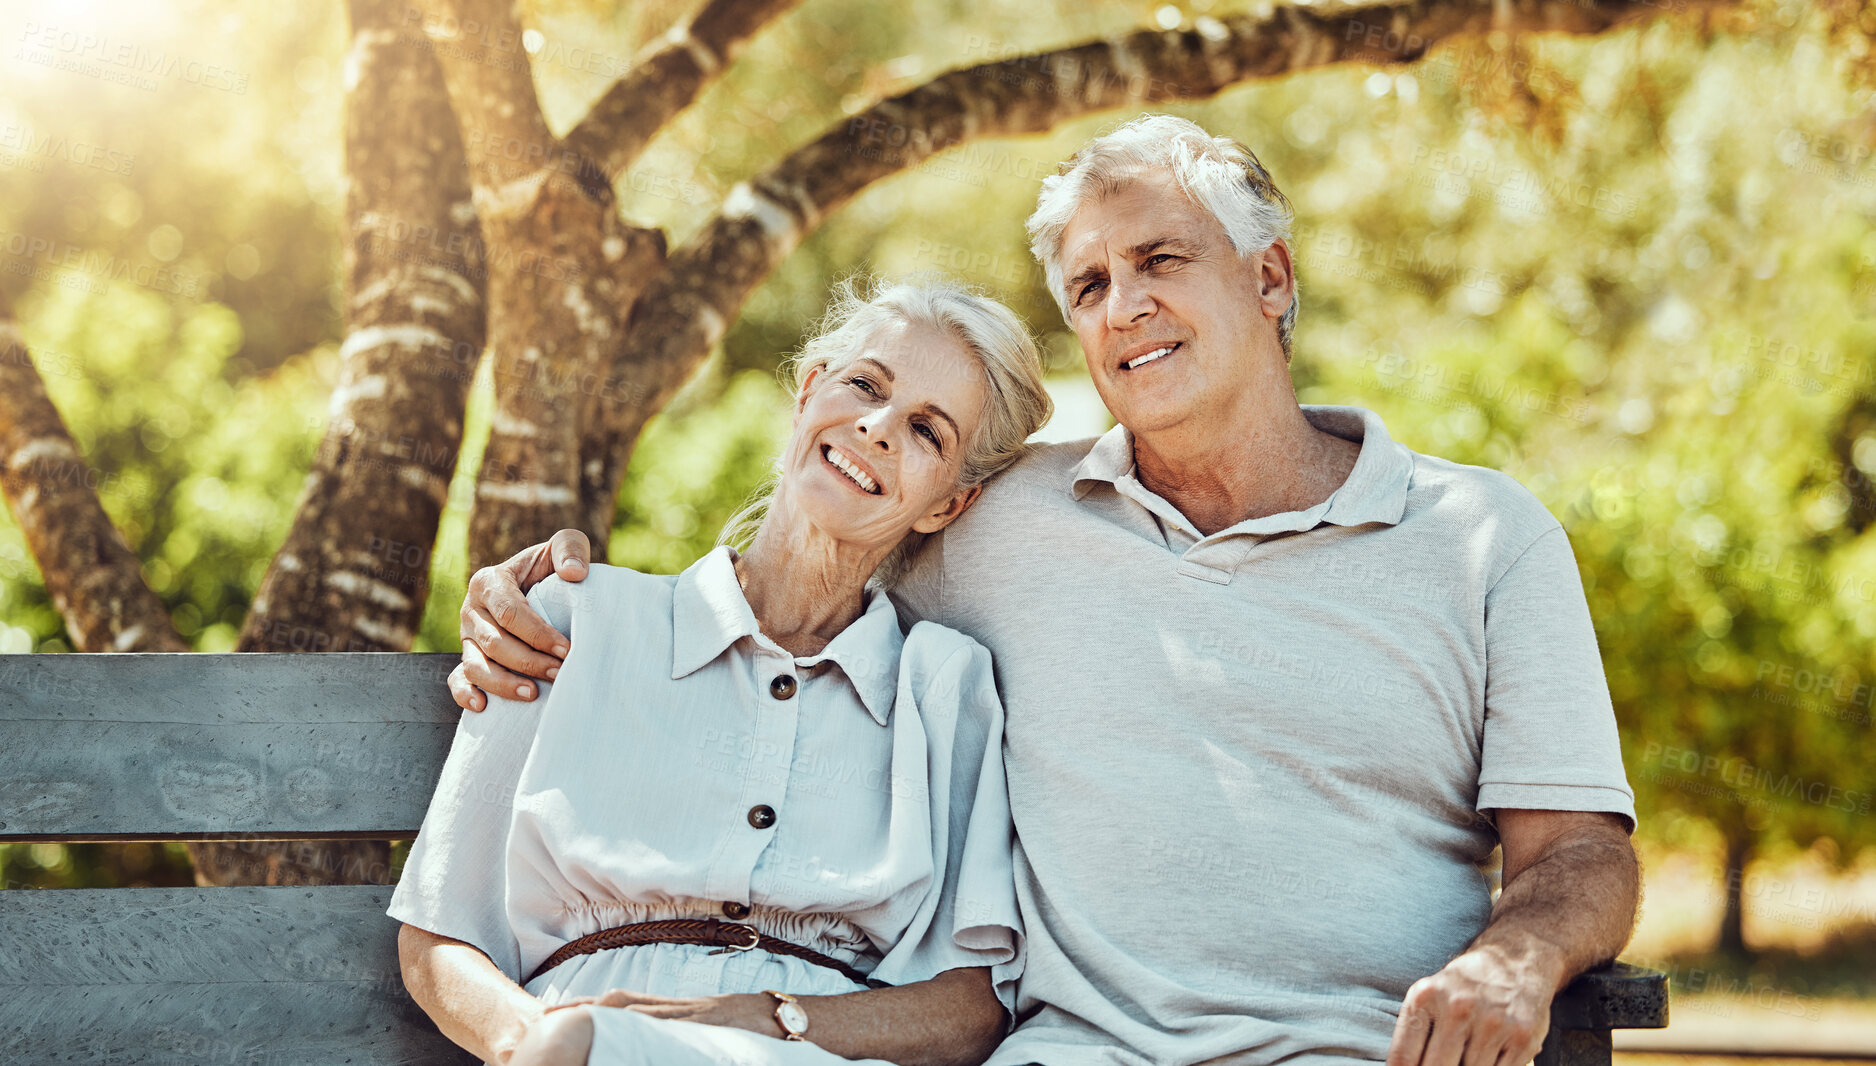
point(503, 637)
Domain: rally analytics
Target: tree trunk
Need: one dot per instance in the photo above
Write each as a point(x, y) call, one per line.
point(353, 574)
point(1732, 925)
point(564, 268)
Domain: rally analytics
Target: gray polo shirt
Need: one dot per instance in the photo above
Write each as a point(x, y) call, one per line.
point(1248, 770)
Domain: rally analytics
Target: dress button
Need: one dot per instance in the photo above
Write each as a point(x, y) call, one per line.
point(733, 909)
point(783, 687)
point(762, 816)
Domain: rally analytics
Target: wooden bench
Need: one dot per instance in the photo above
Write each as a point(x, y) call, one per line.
point(157, 747)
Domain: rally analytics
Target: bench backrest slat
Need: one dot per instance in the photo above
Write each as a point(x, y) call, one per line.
point(212, 746)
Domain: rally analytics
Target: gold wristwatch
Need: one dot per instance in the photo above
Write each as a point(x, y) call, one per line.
point(789, 1014)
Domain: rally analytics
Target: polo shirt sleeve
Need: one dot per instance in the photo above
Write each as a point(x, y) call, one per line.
point(971, 919)
point(1550, 739)
point(454, 883)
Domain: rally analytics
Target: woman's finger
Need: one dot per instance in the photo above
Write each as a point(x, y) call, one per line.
point(679, 1011)
point(625, 997)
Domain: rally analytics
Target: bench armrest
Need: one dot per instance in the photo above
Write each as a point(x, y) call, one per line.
point(1616, 996)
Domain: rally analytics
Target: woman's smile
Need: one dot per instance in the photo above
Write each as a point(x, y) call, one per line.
point(850, 469)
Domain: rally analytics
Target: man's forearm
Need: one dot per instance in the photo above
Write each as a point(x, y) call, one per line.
point(952, 1018)
point(1570, 909)
point(473, 1003)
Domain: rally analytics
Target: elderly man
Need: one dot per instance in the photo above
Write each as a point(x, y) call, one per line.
point(1276, 684)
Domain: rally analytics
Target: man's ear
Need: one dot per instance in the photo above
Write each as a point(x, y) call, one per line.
point(1276, 279)
point(956, 504)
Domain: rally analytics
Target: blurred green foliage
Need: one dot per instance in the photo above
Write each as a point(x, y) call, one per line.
point(199, 473)
point(1636, 272)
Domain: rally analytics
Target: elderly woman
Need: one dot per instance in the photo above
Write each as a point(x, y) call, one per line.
point(751, 820)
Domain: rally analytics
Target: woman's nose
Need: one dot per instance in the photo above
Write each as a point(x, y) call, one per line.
point(872, 426)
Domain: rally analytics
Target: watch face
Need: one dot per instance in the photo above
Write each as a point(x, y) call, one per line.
point(793, 1018)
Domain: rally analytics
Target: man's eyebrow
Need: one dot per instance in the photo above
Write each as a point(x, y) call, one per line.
point(1087, 273)
point(884, 370)
point(1169, 244)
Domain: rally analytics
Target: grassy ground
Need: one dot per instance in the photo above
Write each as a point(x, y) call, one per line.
point(1646, 1059)
point(1811, 924)
point(1810, 983)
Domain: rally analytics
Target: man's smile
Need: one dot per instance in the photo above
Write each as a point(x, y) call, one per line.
point(1151, 355)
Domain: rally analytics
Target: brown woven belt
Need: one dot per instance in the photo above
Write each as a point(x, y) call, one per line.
point(726, 936)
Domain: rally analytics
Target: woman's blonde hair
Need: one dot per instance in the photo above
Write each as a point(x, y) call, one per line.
point(1016, 406)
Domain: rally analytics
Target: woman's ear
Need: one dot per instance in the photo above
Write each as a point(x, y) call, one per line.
point(956, 504)
point(806, 389)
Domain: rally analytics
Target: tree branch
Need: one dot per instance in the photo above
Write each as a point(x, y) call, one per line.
point(491, 88)
point(689, 307)
point(94, 579)
point(665, 80)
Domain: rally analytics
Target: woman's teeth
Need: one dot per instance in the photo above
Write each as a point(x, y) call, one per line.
point(1149, 357)
point(840, 462)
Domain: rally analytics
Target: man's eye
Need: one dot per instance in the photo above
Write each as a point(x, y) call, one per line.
point(1154, 260)
point(1086, 290)
point(863, 383)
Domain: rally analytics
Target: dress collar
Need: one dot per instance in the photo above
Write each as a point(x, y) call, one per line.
point(1376, 489)
point(709, 613)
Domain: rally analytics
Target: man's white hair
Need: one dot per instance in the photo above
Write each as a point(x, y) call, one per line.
point(1219, 174)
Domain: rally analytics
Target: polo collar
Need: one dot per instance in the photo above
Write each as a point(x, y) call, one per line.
point(709, 613)
point(1376, 489)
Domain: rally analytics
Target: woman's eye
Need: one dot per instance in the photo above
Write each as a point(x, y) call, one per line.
point(930, 434)
point(863, 383)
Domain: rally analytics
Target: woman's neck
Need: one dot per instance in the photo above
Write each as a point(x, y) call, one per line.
point(803, 586)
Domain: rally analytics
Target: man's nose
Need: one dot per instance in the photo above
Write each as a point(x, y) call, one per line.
point(1128, 301)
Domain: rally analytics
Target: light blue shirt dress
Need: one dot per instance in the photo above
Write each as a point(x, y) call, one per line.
point(639, 786)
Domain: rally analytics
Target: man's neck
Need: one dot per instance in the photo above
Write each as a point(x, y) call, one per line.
point(1253, 464)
